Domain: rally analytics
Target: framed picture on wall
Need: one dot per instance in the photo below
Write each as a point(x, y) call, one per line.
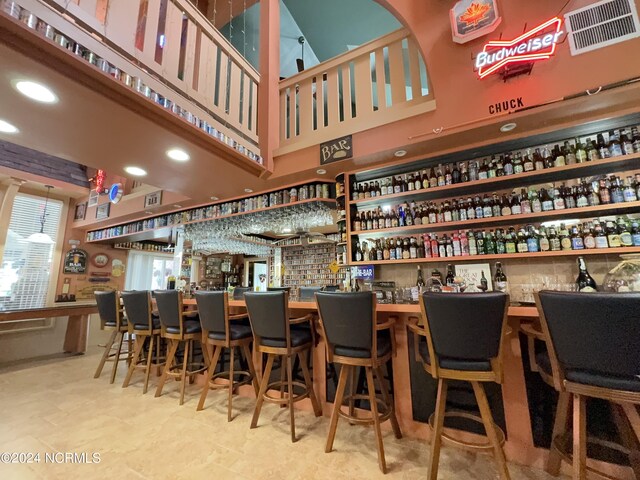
point(153, 199)
point(93, 198)
point(102, 211)
point(81, 211)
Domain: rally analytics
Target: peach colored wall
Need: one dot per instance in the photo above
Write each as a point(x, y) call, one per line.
point(460, 96)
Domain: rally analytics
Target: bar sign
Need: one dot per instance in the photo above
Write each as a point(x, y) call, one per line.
point(364, 272)
point(335, 150)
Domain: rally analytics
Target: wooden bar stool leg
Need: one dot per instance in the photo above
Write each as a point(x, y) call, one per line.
point(210, 371)
point(386, 395)
point(290, 397)
point(252, 368)
point(173, 346)
point(283, 380)
point(337, 403)
point(627, 435)
point(634, 418)
point(263, 389)
point(232, 361)
point(129, 350)
point(116, 360)
point(559, 428)
point(317, 409)
point(352, 391)
point(185, 366)
point(147, 370)
point(376, 419)
point(136, 354)
point(579, 437)
point(436, 437)
point(105, 355)
point(489, 426)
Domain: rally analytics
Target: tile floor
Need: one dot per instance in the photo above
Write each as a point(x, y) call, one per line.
point(55, 405)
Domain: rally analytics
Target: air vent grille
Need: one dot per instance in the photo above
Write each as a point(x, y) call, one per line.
point(602, 24)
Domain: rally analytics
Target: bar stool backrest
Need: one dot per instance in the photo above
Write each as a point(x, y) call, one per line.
point(348, 319)
point(212, 309)
point(137, 305)
point(169, 304)
point(268, 314)
point(466, 326)
point(108, 307)
point(308, 294)
point(238, 292)
point(279, 289)
point(594, 332)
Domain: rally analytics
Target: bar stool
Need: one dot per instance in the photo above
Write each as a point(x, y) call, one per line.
point(354, 339)
point(273, 335)
point(143, 325)
point(218, 331)
point(594, 350)
point(238, 292)
point(112, 320)
point(307, 294)
point(464, 341)
point(178, 327)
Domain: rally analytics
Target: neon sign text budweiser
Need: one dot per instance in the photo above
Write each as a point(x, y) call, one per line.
point(536, 44)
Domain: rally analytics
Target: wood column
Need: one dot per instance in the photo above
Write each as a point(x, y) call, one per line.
point(268, 91)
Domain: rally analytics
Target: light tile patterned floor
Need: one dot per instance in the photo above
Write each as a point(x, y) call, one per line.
point(55, 405)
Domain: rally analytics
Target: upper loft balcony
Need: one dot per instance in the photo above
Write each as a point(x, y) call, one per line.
point(157, 71)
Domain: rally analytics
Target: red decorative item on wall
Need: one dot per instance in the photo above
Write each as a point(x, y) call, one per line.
point(99, 179)
point(536, 44)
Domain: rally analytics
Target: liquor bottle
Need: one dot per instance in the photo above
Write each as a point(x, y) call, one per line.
point(546, 200)
point(367, 190)
point(413, 248)
point(613, 237)
point(538, 161)
point(589, 240)
point(554, 240)
point(507, 165)
point(569, 153)
point(510, 243)
point(581, 153)
point(629, 193)
point(473, 171)
point(625, 143)
point(420, 282)
point(441, 178)
point(517, 164)
point(358, 255)
point(455, 174)
point(577, 242)
point(543, 240)
point(635, 234)
point(354, 191)
point(617, 192)
point(528, 164)
point(547, 157)
point(473, 244)
point(433, 179)
point(525, 203)
point(601, 236)
point(425, 179)
point(516, 208)
point(558, 200)
point(392, 249)
point(500, 279)
point(484, 284)
point(448, 177)
point(635, 139)
point(532, 240)
point(521, 245)
point(483, 171)
point(565, 239)
point(625, 234)
point(592, 151)
point(386, 253)
point(615, 149)
point(558, 157)
point(410, 182)
point(464, 174)
point(534, 199)
point(604, 192)
point(585, 282)
point(417, 181)
point(500, 242)
point(450, 278)
point(603, 151)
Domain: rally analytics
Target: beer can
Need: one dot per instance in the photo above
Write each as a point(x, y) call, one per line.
point(103, 65)
point(61, 40)
point(11, 8)
point(28, 18)
point(126, 79)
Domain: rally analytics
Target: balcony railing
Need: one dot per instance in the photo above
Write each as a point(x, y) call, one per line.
point(166, 43)
point(375, 84)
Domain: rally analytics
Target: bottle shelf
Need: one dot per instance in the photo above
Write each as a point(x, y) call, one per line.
point(529, 255)
point(592, 211)
point(555, 174)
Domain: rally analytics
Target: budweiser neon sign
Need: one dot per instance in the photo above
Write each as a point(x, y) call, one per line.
point(536, 44)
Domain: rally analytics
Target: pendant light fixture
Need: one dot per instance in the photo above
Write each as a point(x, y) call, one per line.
point(42, 237)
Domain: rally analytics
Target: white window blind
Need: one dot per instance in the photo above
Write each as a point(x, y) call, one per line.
point(26, 266)
point(148, 270)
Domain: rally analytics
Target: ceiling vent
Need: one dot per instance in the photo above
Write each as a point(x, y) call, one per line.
point(602, 24)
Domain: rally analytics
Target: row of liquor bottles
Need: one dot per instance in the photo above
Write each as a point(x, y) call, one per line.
point(452, 283)
point(511, 163)
point(611, 190)
point(596, 234)
point(245, 205)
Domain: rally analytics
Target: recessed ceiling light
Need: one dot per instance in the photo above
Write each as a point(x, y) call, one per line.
point(214, 197)
point(178, 155)
point(321, 171)
point(248, 190)
point(136, 171)
point(36, 91)
point(175, 205)
point(286, 230)
point(6, 127)
point(507, 127)
point(400, 153)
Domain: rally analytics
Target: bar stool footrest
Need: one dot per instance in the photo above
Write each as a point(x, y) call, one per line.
point(285, 400)
point(225, 376)
point(563, 445)
point(383, 409)
point(474, 446)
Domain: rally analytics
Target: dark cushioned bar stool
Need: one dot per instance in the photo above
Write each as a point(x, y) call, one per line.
point(355, 339)
point(308, 294)
point(464, 341)
point(143, 325)
point(178, 327)
point(238, 292)
point(273, 335)
point(219, 331)
point(112, 320)
point(594, 350)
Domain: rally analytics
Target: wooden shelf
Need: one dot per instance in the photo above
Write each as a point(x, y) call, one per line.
point(593, 211)
point(481, 258)
point(556, 174)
